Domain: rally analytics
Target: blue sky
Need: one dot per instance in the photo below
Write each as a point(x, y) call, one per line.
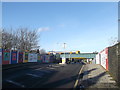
point(84, 26)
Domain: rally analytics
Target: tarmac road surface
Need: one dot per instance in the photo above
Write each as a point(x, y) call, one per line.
point(41, 76)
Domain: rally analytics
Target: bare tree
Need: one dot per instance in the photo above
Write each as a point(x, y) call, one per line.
point(113, 41)
point(42, 51)
point(28, 39)
point(21, 39)
point(6, 39)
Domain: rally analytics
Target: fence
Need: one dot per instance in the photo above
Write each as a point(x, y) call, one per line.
point(14, 57)
point(25, 57)
point(32, 57)
point(20, 57)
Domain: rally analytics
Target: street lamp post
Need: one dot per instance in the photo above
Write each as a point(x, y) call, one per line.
point(64, 50)
point(63, 58)
point(70, 56)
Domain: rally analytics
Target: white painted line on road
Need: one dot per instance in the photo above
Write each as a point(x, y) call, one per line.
point(51, 68)
point(49, 65)
point(56, 66)
point(33, 75)
point(16, 83)
point(76, 83)
point(38, 69)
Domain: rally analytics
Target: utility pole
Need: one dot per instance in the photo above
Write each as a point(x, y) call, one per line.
point(70, 55)
point(63, 58)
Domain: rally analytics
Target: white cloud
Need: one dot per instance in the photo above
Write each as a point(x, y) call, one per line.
point(61, 25)
point(43, 29)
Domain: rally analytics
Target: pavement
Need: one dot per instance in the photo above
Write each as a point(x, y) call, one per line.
point(96, 77)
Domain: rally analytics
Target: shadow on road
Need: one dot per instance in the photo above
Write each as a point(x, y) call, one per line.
point(88, 82)
point(61, 82)
point(93, 80)
point(24, 77)
point(40, 77)
point(88, 71)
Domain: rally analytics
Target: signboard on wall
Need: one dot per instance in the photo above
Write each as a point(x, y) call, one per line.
point(43, 58)
point(98, 59)
point(20, 57)
point(47, 58)
point(25, 57)
point(32, 57)
point(104, 58)
point(13, 57)
point(39, 58)
point(5, 57)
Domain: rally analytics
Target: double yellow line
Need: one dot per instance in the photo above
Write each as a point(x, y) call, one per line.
point(76, 83)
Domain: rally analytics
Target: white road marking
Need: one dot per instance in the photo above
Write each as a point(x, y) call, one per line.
point(76, 83)
point(16, 83)
point(38, 69)
point(56, 66)
point(33, 75)
point(49, 65)
point(51, 68)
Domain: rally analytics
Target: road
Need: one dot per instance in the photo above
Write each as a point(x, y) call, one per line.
point(42, 76)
